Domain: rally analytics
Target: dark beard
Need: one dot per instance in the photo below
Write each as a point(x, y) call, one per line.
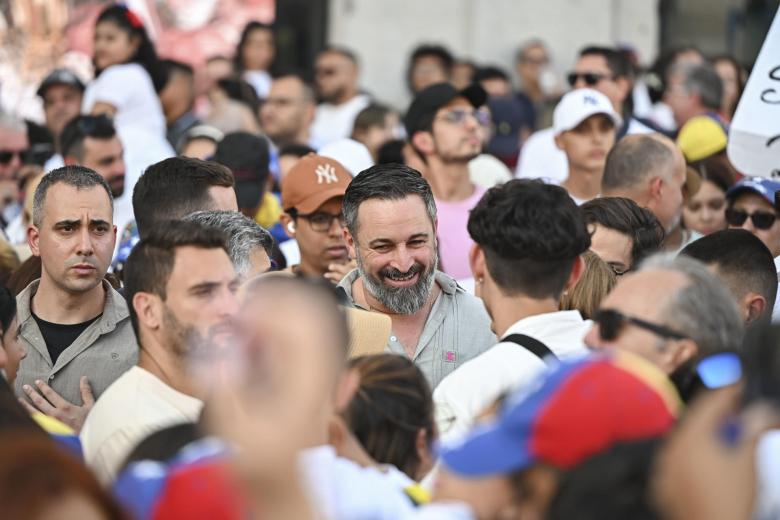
point(400, 300)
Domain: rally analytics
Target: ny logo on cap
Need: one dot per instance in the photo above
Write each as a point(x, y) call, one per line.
point(590, 100)
point(326, 173)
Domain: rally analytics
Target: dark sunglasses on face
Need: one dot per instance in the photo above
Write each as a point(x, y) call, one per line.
point(6, 156)
point(761, 219)
point(611, 323)
point(590, 78)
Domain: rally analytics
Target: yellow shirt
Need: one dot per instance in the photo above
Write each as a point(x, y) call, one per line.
point(269, 212)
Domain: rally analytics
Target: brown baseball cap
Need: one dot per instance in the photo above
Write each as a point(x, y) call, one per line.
point(313, 181)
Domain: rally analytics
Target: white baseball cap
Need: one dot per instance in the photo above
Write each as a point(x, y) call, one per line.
point(578, 105)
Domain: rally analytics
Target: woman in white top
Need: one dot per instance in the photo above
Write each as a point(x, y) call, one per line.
point(128, 76)
point(254, 55)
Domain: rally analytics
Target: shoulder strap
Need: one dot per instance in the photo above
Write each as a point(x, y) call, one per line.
point(534, 346)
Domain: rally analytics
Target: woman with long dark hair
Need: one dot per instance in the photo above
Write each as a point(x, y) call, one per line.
point(254, 55)
point(128, 76)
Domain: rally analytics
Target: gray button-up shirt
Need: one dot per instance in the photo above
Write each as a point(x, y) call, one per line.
point(457, 329)
point(103, 352)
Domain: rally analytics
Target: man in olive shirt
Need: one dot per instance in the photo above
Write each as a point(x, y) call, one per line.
point(390, 217)
point(74, 326)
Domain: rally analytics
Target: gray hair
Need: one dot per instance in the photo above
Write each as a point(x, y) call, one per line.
point(704, 310)
point(12, 123)
point(634, 159)
point(79, 177)
point(704, 81)
point(244, 235)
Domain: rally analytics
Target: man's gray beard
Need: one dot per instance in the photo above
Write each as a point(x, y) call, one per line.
point(401, 300)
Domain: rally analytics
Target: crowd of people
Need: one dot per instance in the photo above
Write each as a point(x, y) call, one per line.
point(276, 298)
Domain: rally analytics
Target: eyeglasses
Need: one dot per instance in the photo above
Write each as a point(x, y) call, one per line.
point(321, 221)
point(6, 156)
point(719, 370)
point(761, 219)
point(590, 78)
point(611, 323)
point(458, 117)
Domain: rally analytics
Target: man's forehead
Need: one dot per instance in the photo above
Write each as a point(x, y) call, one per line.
point(645, 291)
point(458, 102)
point(63, 198)
point(753, 200)
point(195, 265)
point(593, 62)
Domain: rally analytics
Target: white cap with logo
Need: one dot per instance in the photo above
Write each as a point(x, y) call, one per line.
point(578, 105)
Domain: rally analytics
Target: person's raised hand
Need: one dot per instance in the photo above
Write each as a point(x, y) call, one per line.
point(700, 473)
point(45, 400)
point(337, 272)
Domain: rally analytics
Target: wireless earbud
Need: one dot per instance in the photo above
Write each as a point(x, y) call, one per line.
point(291, 227)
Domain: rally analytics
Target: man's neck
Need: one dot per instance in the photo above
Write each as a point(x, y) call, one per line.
point(508, 310)
point(583, 184)
point(346, 97)
point(450, 182)
point(158, 360)
point(674, 239)
point(308, 268)
point(55, 305)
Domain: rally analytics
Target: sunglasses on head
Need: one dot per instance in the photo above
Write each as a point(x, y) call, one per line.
point(6, 156)
point(590, 78)
point(761, 219)
point(612, 322)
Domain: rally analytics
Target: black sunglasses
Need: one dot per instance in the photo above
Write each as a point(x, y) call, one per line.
point(611, 323)
point(590, 78)
point(761, 219)
point(6, 156)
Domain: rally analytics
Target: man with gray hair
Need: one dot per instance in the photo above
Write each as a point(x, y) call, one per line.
point(390, 219)
point(72, 323)
point(693, 90)
point(650, 170)
point(673, 312)
point(249, 246)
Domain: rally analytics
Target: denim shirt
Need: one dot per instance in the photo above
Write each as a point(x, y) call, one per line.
point(104, 351)
point(457, 329)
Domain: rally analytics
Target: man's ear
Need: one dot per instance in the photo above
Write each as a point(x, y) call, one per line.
point(288, 224)
point(477, 262)
point(577, 270)
point(148, 309)
point(683, 351)
point(755, 306)
point(423, 141)
point(350, 241)
point(348, 386)
point(33, 236)
point(558, 141)
point(655, 188)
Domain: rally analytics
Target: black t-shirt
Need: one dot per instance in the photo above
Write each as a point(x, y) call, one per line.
point(58, 337)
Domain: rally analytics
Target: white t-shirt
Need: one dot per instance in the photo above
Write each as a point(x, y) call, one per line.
point(334, 122)
point(768, 475)
point(540, 158)
point(134, 406)
point(139, 118)
point(470, 389)
point(260, 81)
point(339, 489)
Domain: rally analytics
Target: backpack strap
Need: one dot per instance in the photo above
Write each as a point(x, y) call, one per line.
point(534, 346)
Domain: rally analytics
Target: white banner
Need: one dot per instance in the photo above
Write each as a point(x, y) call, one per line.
point(754, 136)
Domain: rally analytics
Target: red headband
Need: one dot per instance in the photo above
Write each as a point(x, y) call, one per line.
point(135, 22)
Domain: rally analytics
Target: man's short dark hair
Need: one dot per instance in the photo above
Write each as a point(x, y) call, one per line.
point(616, 61)
point(439, 52)
point(343, 51)
point(385, 182)
point(150, 263)
point(374, 114)
point(79, 177)
point(248, 156)
point(531, 234)
point(79, 128)
point(742, 260)
point(633, 160)
point(704, 81)
point(627, 217)
point(490, 72)
point(296, 150)
point(175, 187)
